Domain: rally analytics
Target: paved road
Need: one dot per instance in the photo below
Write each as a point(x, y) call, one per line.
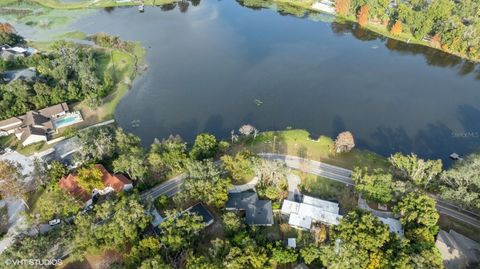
point(170, 188)
point(344, 175)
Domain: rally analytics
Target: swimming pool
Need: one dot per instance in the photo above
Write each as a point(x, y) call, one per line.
point(67, 120)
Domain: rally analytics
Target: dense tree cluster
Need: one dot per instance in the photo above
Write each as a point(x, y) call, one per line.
point(455, 24)
point(68, 72)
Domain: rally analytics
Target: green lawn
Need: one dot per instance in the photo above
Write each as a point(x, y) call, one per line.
point(320, 187)
point(299, 143)
point(123, 67)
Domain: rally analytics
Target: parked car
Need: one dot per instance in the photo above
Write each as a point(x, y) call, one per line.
point(8, 150)
point(54, 222)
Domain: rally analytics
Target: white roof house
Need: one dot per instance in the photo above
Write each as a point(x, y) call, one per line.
point(394, 225)
point(302, 214)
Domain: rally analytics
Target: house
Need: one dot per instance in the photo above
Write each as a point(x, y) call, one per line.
point(36, 126)
point(457, 251)
point(257, 212)
point(8, 53)
point(301, 215)
point(26, 74)
point(113, 182)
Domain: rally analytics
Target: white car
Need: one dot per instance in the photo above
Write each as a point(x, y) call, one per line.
point(54, 222)
point(8, 150)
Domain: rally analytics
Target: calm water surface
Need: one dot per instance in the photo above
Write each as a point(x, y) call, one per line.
point(206, 66)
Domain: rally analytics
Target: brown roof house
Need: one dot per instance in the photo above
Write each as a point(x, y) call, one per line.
point(113, 182)
point(34, 126)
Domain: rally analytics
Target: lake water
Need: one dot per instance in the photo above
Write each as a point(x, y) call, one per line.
point(208, 64)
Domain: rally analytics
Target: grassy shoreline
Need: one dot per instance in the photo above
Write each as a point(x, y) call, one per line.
point(98, 4)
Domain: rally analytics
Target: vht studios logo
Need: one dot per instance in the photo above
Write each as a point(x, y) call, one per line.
point(33, 262)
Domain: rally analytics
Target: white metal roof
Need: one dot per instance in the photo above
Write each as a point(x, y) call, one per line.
point(319, 214)
point(394, 225)
point(290, 207)
point(292, 242)
point(325, 205)
point(303, 222)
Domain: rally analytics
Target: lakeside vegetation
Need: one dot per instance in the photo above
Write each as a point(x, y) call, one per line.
point(445, 25)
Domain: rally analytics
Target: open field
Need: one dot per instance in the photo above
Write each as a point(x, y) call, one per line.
point(299, 143)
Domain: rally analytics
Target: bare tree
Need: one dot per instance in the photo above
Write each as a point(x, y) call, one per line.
point(344, 142)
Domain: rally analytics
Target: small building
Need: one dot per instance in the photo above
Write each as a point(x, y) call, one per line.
point(457, 251)
point(257, 212)
point(302, 215)
point(292, 243)
point(201, 210)
point(113, 182)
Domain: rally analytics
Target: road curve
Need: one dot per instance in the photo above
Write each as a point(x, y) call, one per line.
point(344, 175)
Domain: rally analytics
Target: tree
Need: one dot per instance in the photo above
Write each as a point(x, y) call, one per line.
point(363, 15)
point(7, 28)
point(3, 218)
point(420, 172)
point(396, 28)
point(419, 218)
point(168, 156)
point(344, 142)
point(112, 225)
point(282, 255)
point(376, 185)
point(179, 230)
point(57, 170)
point(12, 183)
point(131, 163)
point(154, 263)
point(39, 174)
point(232, 223)
point(238, 166)
point(146, 248)
point(90, 178)
point(126, 141)
point(204, 183)
point(359, 241)
point(54, 203)
point(461, 183)
point(310, 253)
point(205, 147)
point(342, 7)
point(96, 144)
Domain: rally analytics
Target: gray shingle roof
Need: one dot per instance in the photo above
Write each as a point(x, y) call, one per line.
point(257, 212)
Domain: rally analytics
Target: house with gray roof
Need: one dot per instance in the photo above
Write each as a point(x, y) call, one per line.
point(457, 251)
point(34, 126)
point(257, 212)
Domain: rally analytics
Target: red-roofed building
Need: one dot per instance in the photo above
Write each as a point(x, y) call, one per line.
point(113, 182)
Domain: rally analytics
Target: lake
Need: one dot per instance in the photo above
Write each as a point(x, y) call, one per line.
point(207, 64)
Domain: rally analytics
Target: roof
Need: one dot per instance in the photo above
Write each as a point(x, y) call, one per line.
point(323, 211)
point(54, 110)
point(303, 222)
point(201, 210)
point(257, 212)
point(29, 131)
point(325, 205)
point(70, 184)
point(292, 242)
point(394, 225)
point(36, 119)
point(10, 123)
point(458, 251)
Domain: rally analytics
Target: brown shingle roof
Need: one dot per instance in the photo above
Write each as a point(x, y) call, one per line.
point(54, 110)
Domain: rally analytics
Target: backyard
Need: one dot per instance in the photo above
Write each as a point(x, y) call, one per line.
point(299, 143)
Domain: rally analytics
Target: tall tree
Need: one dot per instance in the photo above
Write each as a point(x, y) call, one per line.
point(363, 15)
point(205, 147)
point(420, 172)
point(376, 185)
point(131, 163)
point(90, 178)
point(342, 7)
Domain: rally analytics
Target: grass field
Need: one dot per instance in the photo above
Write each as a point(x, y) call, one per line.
point(81, 4)
point(299, 143)
point(320, 187)
point(12, 142)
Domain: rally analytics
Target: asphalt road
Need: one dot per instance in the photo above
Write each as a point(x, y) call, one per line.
point(344, 175)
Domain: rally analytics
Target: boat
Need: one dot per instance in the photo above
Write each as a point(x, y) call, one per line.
point(141, 7)
point(258, 102)
point(454, 156)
